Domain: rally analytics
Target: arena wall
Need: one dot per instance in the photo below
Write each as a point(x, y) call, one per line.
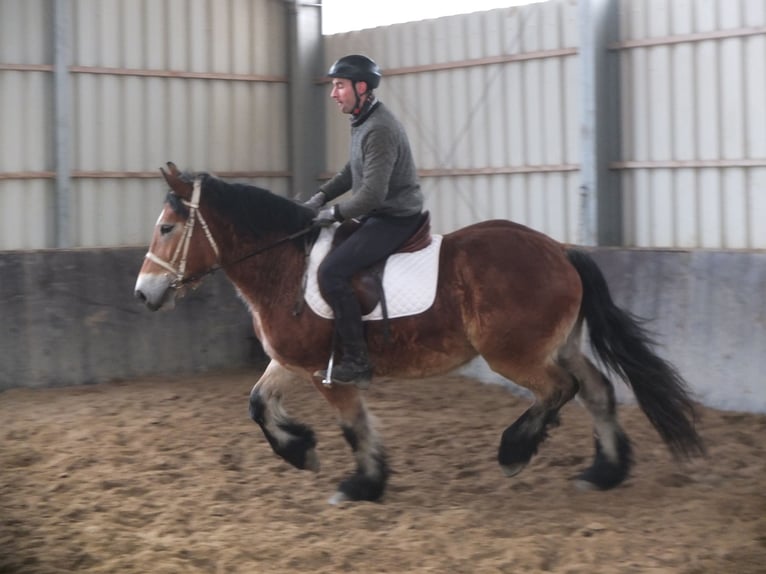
point(70, 318)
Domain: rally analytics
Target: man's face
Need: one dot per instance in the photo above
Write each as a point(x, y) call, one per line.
point(343, 93)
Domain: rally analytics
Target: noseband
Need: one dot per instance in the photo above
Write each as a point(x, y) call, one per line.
point(177, 265)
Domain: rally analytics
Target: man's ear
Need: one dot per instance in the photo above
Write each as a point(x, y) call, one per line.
point(361, 87)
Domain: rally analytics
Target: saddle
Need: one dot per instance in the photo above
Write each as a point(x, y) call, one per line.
point(368, 283)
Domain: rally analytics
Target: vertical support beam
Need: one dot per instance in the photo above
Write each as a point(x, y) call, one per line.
point(306, 112)
point(62, 118)
point(601, 188)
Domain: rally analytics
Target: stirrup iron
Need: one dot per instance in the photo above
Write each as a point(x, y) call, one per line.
point(327, 381)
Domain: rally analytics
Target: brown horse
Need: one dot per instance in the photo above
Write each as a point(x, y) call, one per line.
point(505, 292)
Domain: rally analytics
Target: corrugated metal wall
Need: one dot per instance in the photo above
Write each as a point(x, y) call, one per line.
point(491, 102)
point(491, 106)
point(694, 147)
point(199, 82)
point(694, 122)
point(26, 116)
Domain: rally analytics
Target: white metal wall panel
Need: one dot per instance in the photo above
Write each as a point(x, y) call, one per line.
point(694, 125)
point(128, 123)
point(490, 137)
point(136, 103)
point(754, 63)
point(25, 117)
point(493, 137)
point(24, 27)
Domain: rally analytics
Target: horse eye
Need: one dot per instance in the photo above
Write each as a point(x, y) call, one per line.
point(166, 228)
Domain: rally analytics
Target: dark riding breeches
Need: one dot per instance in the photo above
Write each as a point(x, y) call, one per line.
point(373, 241)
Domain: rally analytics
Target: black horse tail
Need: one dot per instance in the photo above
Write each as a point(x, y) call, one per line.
point(623, 345)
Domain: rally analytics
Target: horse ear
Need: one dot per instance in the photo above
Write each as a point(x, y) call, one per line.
point(173, 169)
point(174, 181)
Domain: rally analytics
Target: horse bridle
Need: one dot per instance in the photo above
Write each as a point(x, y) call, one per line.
point(177, 265)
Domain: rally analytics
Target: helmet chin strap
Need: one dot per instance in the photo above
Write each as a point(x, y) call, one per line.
point(358, 103)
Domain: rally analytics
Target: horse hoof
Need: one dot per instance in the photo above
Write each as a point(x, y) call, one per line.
point(337, 499)
point(512, 469)
point(312, 460)
point(585, 485)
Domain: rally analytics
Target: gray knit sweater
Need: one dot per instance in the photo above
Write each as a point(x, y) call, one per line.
point(381, 171)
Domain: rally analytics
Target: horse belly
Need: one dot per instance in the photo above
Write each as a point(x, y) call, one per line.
point(428, 344)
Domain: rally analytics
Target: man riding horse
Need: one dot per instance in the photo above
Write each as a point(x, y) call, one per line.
point(385, 197)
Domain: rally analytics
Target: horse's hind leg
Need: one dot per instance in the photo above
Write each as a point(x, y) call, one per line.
point(613, 452)
point(293, 441)
point(553, 387)
point(368, 482)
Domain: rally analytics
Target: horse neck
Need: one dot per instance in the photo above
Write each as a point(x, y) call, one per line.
point(251, 224)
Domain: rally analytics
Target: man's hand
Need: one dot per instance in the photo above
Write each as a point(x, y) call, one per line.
point(326, 216)
point(316, 201)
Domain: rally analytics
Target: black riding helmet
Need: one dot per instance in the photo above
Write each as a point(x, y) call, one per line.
point(356, 68)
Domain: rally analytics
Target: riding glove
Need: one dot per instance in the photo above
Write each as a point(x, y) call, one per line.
point(327, 216)
point(316, 201)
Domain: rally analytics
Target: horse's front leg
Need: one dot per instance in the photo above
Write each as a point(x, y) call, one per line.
point(368, 482)
point(293, 441)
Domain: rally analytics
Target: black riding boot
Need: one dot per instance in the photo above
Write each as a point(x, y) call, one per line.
point(354, 367)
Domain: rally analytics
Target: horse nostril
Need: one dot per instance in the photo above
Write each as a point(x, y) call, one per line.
point(140, 295)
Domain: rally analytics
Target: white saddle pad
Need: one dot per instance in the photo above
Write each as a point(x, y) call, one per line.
point(409, 280)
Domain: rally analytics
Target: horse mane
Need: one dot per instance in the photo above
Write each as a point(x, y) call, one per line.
point(251, 209)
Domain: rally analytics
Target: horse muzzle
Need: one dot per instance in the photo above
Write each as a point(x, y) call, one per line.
point(155, 291)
